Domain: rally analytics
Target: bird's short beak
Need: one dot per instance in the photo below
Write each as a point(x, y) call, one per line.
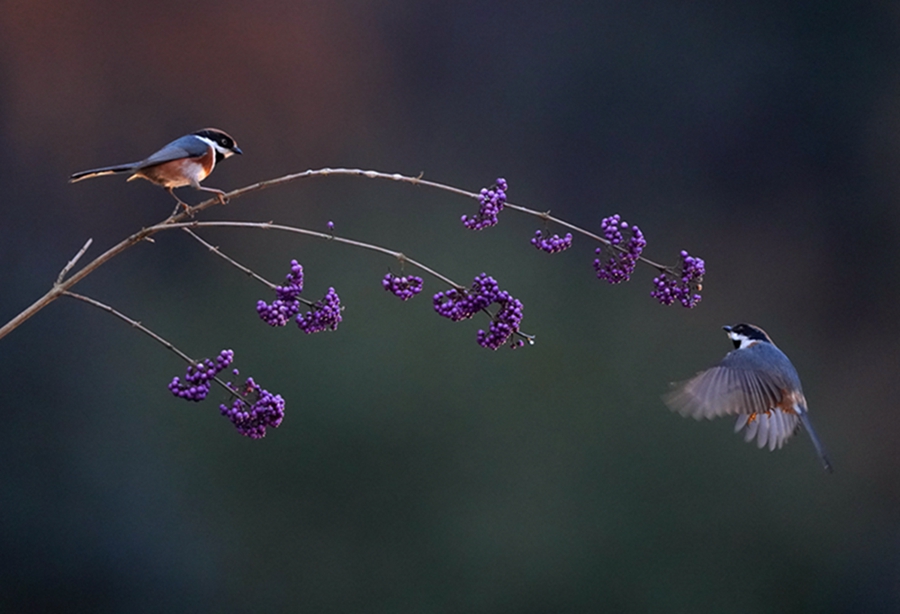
point(237, 150)
point(727, 329)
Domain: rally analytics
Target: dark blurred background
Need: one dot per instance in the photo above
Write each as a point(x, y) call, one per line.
point(416, 471)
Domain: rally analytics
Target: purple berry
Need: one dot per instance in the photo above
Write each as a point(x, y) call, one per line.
point(325, 314)
point(254, 410)
point(404, 287)
point(198, 377)
point(616, 262)
point(461, 304)
point(551, 245)
point(490, 203)
point(682, 283)
point(287, 305)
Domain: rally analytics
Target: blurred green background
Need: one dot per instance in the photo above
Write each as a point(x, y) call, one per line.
point(416, 471)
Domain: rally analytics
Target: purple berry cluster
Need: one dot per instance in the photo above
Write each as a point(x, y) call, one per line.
point(198, 378)
point(287, 305)
point(457, 305)
point(324, 315)
point(404, 287)
point(254, 410)
point(490, 201)
point(551, 245)
point(621, 256)
point(682, 284)
point(504, 323)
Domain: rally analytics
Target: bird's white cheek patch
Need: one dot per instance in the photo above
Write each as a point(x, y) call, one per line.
point(744, 341)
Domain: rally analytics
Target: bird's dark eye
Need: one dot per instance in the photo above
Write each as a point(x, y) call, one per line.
point(225, 142)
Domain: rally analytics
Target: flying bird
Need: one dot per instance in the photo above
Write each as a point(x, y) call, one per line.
point(755, 382)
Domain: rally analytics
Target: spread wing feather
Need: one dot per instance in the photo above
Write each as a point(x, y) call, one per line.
point(733, 387)
point(748, 383)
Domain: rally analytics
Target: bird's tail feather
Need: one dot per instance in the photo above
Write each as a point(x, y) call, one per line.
point(820, 449)
point(100, 172)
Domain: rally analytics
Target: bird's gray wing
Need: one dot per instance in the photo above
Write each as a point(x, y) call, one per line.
point(736, 385)
point(185, 147)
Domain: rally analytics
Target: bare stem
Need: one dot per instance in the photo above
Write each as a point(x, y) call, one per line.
point(71, 263)
point(60, 288)
point(137, 325)
point(235, 263)
point(313, 233)
point(230, 260)
point(133, 323)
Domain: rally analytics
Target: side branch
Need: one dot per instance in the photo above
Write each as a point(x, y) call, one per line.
point(312, 233)
point(73, 261)
point(60, 287)
point(167, 344)
point(133, 323)
point(215, 250)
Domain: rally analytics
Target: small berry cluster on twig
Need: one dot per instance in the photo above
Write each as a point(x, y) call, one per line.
point(287, 305)
point(324, 314)
point(253, 409)
point(683, 284)
point(198, 377)
point(490, 201)
point(553, 244)
point(460, 304)
point(615, 262)
point(504, 323)
point(404, 287)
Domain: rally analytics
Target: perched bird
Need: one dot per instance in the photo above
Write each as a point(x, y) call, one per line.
point(185, 161)
point(755, 382)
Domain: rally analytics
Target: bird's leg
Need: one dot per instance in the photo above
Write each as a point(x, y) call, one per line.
point(181, 203)
point(219, 193)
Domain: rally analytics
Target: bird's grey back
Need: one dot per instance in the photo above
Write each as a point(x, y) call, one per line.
point(188, 146)
point(765, 357)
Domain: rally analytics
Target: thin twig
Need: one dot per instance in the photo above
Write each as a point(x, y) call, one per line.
point(135, 324)
point(312, 233)
point(237, 264)
point(58, 289)
point(230, 260)
point(71, 263)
